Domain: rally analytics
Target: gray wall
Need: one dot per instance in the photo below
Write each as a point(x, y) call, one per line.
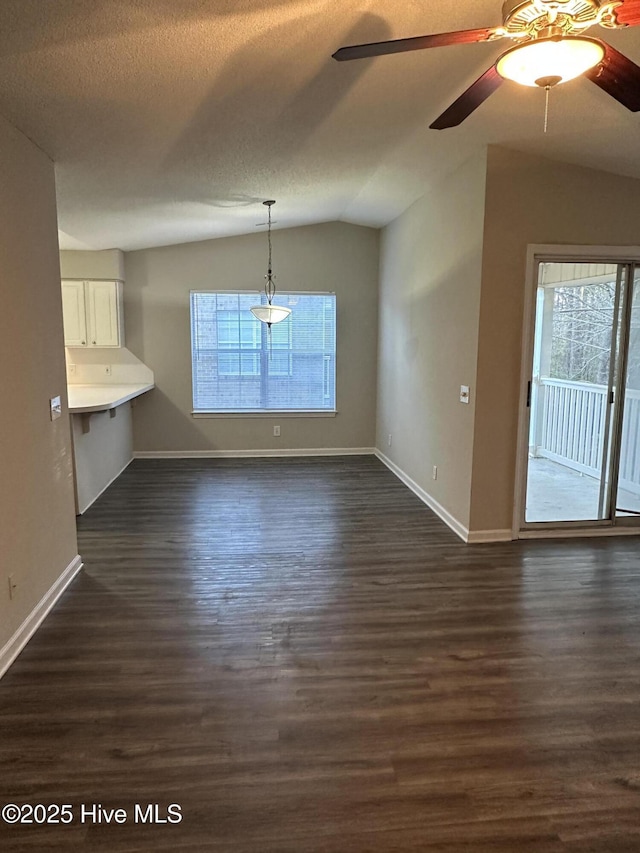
point(330, 257)
point(37, 519)
point(429, 302)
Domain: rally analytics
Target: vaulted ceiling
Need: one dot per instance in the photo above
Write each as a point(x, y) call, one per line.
point(170, 120)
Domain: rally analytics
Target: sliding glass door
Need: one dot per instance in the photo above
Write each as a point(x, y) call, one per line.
point(627, 501)
point(583, 455)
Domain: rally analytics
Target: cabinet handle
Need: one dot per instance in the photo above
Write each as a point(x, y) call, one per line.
point(93, 342)
point(84, 343)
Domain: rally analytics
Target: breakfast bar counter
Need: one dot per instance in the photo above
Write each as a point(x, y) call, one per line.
point(101, 398)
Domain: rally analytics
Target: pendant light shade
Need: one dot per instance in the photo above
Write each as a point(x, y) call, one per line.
point(550, 61)
point(270, 313)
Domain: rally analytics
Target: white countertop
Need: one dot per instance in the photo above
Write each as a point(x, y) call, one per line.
point(101, 398)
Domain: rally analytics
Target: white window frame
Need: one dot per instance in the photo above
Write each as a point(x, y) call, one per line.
point(271, 413)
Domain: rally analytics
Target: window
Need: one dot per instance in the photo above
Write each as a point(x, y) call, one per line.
point(236, 333)
point(238, 366)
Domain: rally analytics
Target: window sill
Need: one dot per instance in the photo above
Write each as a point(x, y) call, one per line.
point(271, 413)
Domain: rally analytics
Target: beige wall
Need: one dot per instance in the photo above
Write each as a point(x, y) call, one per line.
point(429, 301)
point(528, 200)
point(329, 257)
point(108, 264)
point(37, 519)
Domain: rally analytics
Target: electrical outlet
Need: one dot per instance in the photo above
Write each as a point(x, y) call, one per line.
point(13, 586)
point(435, 472)
point(389, 440)
point(107, 370)
point(276, 431)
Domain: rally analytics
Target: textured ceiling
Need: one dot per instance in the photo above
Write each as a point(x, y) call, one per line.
point(170, 120)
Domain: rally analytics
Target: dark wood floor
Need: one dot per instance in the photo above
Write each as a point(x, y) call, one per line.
point(305, 659)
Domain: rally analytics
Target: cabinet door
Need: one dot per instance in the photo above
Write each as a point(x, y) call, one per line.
point(73, 313)
point(102, 313)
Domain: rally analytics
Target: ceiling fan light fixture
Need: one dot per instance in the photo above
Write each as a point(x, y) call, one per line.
point(557, 59)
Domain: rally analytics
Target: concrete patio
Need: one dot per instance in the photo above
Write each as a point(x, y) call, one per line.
point(558, 493)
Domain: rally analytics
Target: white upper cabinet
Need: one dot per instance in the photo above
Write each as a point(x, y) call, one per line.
point(92, 313)
point(73, 312)
point(103, 307)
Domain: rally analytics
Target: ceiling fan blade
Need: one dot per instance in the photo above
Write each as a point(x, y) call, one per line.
point(469, 100)
point(383, 48)
point(619, 77)
point(628, 13)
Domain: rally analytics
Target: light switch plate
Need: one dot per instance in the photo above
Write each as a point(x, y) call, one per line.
point(56, 408)
point(464, 393)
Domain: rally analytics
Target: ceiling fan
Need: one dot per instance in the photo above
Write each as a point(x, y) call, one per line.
point(549, 48)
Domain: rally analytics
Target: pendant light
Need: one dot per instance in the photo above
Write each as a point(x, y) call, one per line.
point(270, 313)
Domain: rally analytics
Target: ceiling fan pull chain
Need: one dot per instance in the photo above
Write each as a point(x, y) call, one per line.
point(547, 89)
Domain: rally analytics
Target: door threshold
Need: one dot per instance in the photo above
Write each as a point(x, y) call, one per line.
point(577, 532)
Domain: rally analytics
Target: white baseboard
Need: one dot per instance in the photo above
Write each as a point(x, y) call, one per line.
point(472, 537)
point(476, 537)
point(254, 454)
point(104, 488)
point(10, 651)
point(425, 497)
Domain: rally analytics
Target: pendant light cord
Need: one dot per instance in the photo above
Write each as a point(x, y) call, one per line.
point(269, 287)
point(269, 238)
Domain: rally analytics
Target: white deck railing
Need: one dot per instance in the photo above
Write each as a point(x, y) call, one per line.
point(569, 427)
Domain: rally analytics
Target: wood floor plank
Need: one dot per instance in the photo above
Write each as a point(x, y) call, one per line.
point(301, 655)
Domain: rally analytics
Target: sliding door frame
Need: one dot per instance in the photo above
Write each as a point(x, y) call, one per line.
point(631, 522)
point(617, 361)
point(536, 254)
